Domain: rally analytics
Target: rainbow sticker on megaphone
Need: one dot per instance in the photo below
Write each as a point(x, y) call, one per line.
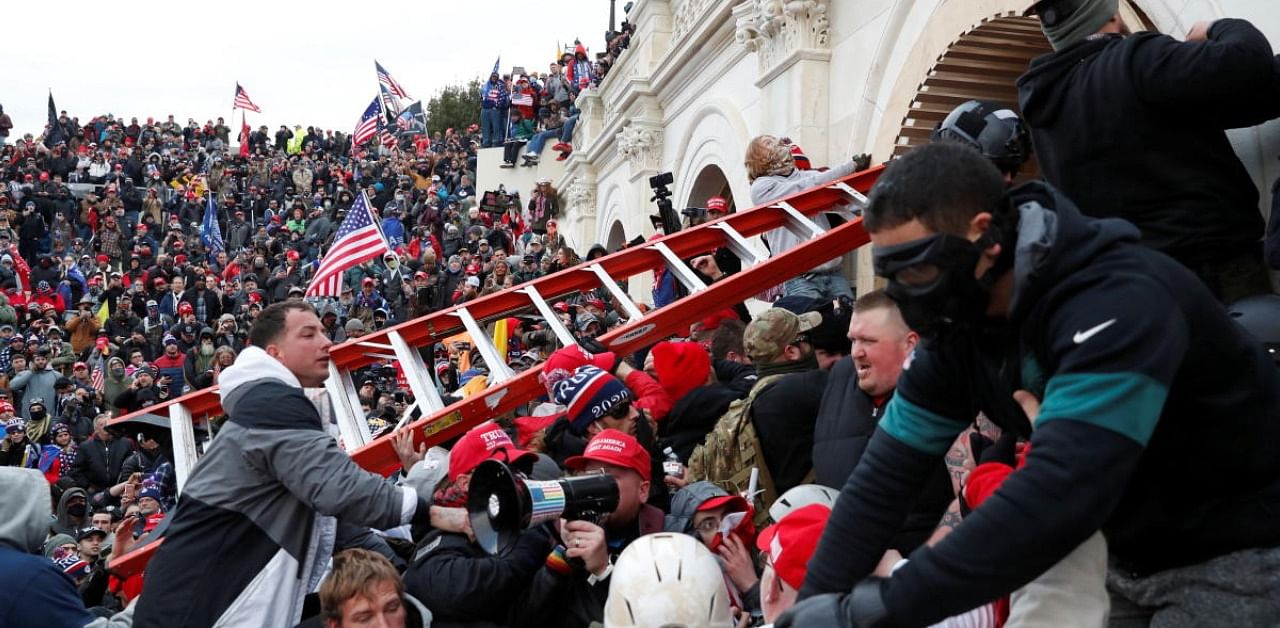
point(547, 499)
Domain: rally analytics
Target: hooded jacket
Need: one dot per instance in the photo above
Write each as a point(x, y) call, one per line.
point(33, 591)
point(64, 523)
point(1101, 330)
point(255, 525)
point(1133, 127)
point(771, 188)
point(112, 385)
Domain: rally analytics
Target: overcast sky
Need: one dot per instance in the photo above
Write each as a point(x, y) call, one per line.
point(309, 64)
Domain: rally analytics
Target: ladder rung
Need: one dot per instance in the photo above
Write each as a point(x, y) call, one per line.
point(681, 270)
point(549, 315)
point(377, 345)
point(499, 371)
point(381, 356)
point(860, 201)
point(633, 312)
point(420, 378)
point(738, 244)
point(183, 434)
point(346, 408)
point(805, 228)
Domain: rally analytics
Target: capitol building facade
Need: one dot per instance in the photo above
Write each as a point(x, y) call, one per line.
point(839, 77)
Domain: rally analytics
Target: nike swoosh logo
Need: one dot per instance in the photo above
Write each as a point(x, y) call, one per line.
point(1082, 336)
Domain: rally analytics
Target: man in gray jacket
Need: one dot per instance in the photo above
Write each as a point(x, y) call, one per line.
point(36, 382)
point(256, 523)
point(774, 175)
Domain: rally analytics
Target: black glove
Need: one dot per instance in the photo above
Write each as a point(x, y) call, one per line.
point(861, 162)
point(862, 608)
point(1002, 450)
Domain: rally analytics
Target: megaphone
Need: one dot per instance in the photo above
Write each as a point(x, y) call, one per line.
point(502, 504)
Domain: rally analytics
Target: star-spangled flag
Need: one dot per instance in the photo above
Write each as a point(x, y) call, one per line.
point(368, 126)
point(390, 104)
point(242, 101)
point(357, 241)
point(385, 79)
point(496, 63)
point(523, 99)
point(209, 231)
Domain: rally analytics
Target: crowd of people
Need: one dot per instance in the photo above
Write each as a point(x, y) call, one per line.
point(997, 437)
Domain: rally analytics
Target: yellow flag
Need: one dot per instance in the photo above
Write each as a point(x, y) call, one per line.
point(103, 314)
point(500, 336)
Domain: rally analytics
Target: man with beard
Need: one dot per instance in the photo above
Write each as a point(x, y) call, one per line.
point(199, 360)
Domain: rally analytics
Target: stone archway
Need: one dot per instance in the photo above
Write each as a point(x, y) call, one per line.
point(617, 237)
point(982, 64)
point(711, 181)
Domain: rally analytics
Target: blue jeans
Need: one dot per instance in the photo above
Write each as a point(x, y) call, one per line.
point(566, 132)
point(491, 128)
point(539, 140)
point(828, 286)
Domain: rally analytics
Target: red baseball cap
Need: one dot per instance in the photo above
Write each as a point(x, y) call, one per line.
point(561, 364)
point(292, 255)
point(615, 448)
point(483, 442)
point(185, 307)
point(790, 543)
point(717, 204)
point(103, 259)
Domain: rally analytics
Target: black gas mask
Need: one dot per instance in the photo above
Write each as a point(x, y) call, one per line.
point(932, 280)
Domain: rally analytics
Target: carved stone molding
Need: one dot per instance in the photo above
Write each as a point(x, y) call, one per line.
point(776, 28)
point(641, 144)
point(581, 197)
point(686, 16)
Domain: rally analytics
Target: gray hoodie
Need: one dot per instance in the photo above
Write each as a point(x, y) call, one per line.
point(24, 523)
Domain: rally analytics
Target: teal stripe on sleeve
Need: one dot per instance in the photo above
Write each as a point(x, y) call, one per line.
point(918, 428)
point(1128, 404)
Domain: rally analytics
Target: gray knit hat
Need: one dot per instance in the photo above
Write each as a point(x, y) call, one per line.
point(1066, 22)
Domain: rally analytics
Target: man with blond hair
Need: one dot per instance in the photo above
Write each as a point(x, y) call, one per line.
point(364, 589)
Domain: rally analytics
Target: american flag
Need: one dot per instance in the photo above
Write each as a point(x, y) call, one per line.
point(242, 101)
point(368, 126)
point(388, 140)
point(522, 99)
point(384, 78)
point(357, 241)
point(390, 103)
point(98, 378)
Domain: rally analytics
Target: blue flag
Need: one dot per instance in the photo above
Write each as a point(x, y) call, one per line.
point(496, 63)
point(210, 234)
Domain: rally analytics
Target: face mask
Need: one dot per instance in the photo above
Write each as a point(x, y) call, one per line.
point(76, 510)
point(38, 415)
point(117, 372)
point(932, 280)
point(392, 264)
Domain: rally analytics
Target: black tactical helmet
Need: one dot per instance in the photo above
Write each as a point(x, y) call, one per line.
point(995, 130)
point(1260, 316)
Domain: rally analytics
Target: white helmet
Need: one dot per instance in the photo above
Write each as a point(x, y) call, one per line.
point(667, 580)
point(801, 496)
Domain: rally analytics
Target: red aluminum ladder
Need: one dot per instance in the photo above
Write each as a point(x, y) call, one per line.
point(507, 390)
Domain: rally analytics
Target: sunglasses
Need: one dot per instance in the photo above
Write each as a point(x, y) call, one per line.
point(621, 411)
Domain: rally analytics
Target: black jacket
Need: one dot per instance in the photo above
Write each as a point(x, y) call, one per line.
point(695, 415)
point(783, 415)
point(1159, 425)
point(465, 586)
point(98, 464)
point(1132, 127)
point(847, 418)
